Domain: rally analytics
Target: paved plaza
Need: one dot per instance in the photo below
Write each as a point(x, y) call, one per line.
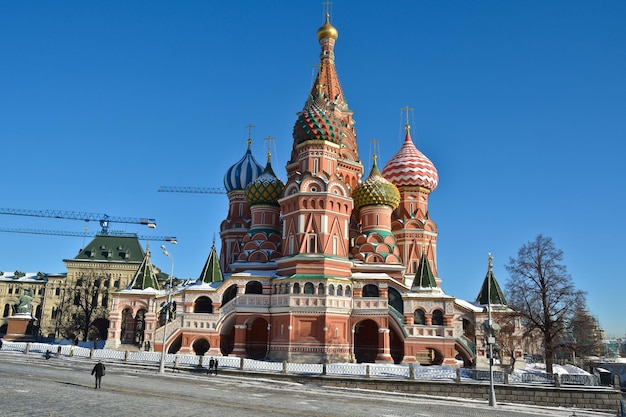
point(33, 386)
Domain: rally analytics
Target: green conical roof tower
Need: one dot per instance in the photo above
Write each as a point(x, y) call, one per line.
point(490, 292)
point(424, 277)
point(145, 277)
point(211, 271)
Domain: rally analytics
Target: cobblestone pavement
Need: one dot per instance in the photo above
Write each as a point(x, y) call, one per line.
point(56, 387)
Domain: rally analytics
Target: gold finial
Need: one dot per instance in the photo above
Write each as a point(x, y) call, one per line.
point(327, 30)
point(250, 127)
point(327, 7)
point(407, 127)
point(320, 89)
point(374, 146)
point(269, 140)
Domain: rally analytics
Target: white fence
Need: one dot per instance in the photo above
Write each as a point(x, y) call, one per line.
point(388, 371)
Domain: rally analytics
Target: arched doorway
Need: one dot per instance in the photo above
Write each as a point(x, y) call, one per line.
point(227, 336)
point(101, 327)
point(366, 341)
point(256, 339)
point(140, 326)
point(128, 326)
point(201, 346)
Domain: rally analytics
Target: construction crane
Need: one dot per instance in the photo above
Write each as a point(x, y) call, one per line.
point(104, 219)
point(170, 239)
point(197, 190)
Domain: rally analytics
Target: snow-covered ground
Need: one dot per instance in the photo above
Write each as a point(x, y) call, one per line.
point(537, 368)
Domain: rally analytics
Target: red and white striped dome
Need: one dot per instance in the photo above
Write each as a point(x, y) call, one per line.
point(410, 167)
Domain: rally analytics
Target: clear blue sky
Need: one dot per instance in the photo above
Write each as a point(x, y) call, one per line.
point(521, 105)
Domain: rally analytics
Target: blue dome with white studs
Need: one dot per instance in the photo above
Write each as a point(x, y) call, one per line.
point(246, 170)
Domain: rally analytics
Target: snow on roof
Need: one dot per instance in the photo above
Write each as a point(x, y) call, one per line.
point(467, 305)
point(27, 276)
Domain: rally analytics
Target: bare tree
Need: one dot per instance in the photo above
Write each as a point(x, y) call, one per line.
point(508, 339)
point(542, 291)
point(84, 308)
point(585, 340)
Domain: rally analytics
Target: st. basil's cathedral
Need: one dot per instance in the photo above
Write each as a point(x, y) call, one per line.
point(331, 266)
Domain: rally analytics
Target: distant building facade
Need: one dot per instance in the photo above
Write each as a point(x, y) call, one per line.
point(108, 262)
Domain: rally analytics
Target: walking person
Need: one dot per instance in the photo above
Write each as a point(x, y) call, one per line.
point(211, 365)
point(215, 367)
point(98, 371)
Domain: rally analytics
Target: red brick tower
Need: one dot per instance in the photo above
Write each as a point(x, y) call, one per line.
point(416, 177)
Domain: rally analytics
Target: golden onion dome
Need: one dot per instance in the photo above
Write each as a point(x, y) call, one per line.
point(327, 31)
point(376, 190)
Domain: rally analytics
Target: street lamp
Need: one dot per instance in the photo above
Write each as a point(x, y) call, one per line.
point(167, 310)
point(490, 338)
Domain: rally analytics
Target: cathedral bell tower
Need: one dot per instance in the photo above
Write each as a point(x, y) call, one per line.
point(323, 170)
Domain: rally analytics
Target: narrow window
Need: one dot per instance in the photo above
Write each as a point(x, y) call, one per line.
point(291, 245)
point(437, 318)
point(312, 243)
point(419, 317)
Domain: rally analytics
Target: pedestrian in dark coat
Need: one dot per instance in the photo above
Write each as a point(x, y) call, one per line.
point(98, 371)
point(211, 365)
point(215, 367)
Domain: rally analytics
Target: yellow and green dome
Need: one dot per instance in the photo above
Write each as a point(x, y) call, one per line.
point(266, 189)
point(376, 190)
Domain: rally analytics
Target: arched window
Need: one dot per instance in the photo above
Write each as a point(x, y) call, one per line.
point(437, 318)
point(320, 289)
point(348, 292)
point(309, 288)
point(57, 291)
point(296, 288)
point(7, 310)
point(203, 305)
point(229, 294)
point(419, 317)
point(395, 300)
point(370, 290)
point(339, 290)
point(254, 287)
point(331, 289)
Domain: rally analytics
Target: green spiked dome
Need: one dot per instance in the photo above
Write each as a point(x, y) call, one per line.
point(376, 190)
point(316, 123)
point(266, 189)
